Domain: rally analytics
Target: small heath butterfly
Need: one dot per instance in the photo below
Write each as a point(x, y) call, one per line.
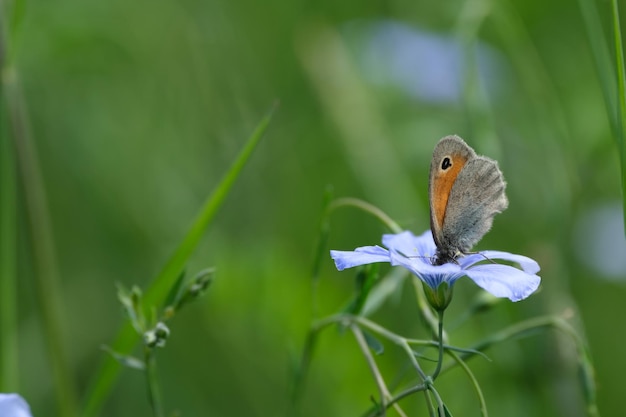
point(466, 191)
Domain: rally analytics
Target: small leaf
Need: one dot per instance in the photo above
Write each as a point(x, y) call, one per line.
point(374, 343)
point(424, 357)
point(447, 412)
point(175, 292)
point(131, 301)
point(191, 290)
point(126, 360)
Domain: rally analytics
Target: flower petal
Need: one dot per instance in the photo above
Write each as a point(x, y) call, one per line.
point(13, 405)
point(410, 245)
point(504, 280)
point(359, 256)
point(528, 265)
point(433, 275)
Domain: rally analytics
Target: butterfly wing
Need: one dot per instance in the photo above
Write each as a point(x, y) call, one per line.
point(475, 198)
point(449, 157)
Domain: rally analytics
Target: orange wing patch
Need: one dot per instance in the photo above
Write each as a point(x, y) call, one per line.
point(442, 185)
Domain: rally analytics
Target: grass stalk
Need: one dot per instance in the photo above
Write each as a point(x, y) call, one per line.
point(127, 338)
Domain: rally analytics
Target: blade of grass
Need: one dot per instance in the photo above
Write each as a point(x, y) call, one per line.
point(602, 59)
point(126, 339)
point(611, 74)
point(8, 278)
point(621, 97)
point(8, 215)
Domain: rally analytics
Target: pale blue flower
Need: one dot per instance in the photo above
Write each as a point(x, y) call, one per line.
point(416, 252)
point(12, 405)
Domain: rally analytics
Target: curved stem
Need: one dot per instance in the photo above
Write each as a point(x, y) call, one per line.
point(399, 340)
point(368, 208)
point(403, 394)
point(474, 381)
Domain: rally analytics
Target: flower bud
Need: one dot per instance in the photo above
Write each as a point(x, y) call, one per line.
point(438, 298)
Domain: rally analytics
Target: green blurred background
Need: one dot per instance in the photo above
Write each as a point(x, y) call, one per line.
point(137, 109)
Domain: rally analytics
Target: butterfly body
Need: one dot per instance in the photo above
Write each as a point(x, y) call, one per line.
point(466, 191)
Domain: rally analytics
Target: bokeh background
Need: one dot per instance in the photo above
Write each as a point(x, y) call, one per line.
point(137, 109)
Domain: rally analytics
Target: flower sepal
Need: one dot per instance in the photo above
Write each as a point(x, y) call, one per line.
point(440, 297)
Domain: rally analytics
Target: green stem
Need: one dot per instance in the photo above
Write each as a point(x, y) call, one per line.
point(530, 326)
point(400, 396)
point(473, 380)
point(154, 393)
point(440, 406)
point(321, 253)
point(301, 372)
point(378, 378)
point(368, 208)
point(103, 379)
point(440, 340)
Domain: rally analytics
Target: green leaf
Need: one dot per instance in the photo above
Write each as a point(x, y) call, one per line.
point(194, 288)
point(446, 411)
point(420, 355)
point(176, 290)
point(131, 301)
point(126, 339)
point(125, 360)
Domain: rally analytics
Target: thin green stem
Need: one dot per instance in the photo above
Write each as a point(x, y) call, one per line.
point(601, 59)
point(473, 380)
point(104, 378)
point(440, 406)
point(528, 327)
point(305, 361)
point(398, 340)
point(429, 403)
point(411, 355)
point(301, 372)
point(352, 322)
point(400, 396)
point(378, 378)
point(320, 253)
point(368, 208)
point(440, 340)
point(154, 393)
